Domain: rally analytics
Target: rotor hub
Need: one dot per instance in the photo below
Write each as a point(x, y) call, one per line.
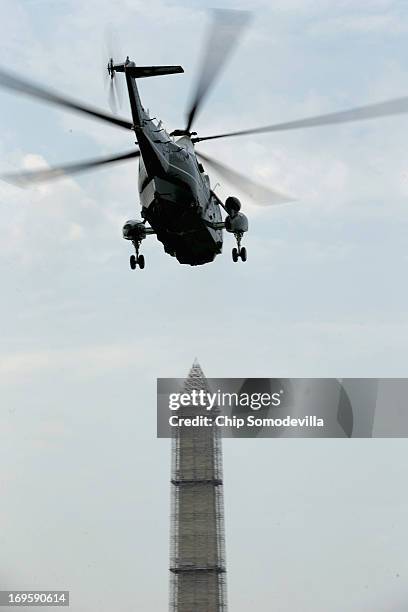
point(111, 68)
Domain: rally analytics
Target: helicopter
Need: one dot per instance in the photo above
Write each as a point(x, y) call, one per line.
point(178, 204)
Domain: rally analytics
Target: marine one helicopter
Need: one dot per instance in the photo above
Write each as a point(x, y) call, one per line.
point(178, 204)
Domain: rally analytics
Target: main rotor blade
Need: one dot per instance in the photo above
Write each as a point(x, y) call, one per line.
point(397, 106)
point(49, 174)
point(14, 83)
point(222, 37)
point(260, 193)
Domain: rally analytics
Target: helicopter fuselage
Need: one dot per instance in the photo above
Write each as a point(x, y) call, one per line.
point(174, 189)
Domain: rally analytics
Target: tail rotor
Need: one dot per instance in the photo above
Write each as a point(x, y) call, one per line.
point(115, 87)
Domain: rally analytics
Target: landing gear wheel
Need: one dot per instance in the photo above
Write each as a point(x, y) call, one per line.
point(243, 254)
point(141, 261)
point(133, 262)
point(235, 254)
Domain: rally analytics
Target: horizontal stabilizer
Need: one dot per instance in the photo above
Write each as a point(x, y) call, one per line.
point(140, 72)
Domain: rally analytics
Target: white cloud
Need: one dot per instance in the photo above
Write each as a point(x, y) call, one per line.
point(83, 361)
point(75, 232)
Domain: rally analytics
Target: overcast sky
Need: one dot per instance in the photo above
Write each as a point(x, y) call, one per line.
point(312, 525)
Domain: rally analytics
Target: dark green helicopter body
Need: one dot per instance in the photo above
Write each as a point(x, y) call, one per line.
point(179, 205)
point(174, 189)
